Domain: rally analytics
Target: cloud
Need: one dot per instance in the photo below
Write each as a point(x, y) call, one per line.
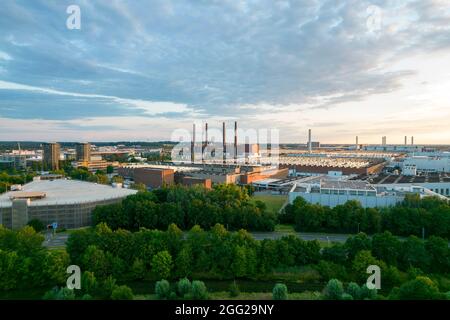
point(210, 58)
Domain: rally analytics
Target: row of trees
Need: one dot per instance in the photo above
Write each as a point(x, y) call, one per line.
point(105, 255)
point(171, 254)
point(229, 205)
point(411, 217)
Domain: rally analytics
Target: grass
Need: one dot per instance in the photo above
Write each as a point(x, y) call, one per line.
point(273, 202)
point(285, 228)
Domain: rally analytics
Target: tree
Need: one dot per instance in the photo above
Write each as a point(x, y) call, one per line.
point(107, 287)
point(362, 260)
point(183, 262)
point(421, 288)
point(184, 287)
point(95, 260)
point(122, 293)
point(438, 251)
point(138, 269)
point(386, 247)
point(354, 290)
point(333, 290)
point(36, 224)
point(162, 289)
point(89, 284)
point(59, 294)
point(162, 264)
point(199, 291)
point(280, 292)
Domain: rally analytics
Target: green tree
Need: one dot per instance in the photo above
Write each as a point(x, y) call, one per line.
point(199, 291)
point(333, 290)
point(354, 290)
point(280, 292)
point(89, 284)
point(183, 262)
point(95, 260)
point(36, 224)
point(122, 293)
point(421, 288)
point(162, 289)
point(138, 269)
point(184, 287)
point(162, 264)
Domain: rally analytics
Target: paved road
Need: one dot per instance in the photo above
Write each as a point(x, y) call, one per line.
point(302, 235)
point(55, 241)
point(59, 239)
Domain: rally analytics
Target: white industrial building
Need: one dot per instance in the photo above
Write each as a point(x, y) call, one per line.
point(67, 202)
point(334, 192)
point(428, 163)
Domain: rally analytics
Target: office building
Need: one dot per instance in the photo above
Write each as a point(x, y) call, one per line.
point(50, 156)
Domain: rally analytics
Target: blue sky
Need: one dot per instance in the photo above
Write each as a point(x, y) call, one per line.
point(137, 70)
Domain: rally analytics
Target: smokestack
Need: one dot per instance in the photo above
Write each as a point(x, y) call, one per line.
point(309, 141)
point(235, 142)
point(224, 144)
point(412, 140)
point(193, 144)
point(205, 143)
point(406, 140)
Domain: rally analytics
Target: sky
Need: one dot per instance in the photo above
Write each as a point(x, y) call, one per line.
point(140, 70)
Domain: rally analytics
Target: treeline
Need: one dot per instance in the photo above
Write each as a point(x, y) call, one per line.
point(171, 254)
point(24, 263)
point(229, 205)
point(410, 269)
point(411, 217)
point(153, 254)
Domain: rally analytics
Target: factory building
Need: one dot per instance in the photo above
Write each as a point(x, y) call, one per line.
point(310, 165)
point(334, 192)
point(436, 182)
point(66, 202)
point(428, 163)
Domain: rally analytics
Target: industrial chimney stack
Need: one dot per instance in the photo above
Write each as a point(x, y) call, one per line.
point(193, 144)
point(235, 142)
point(309, 141)
point(224, 144)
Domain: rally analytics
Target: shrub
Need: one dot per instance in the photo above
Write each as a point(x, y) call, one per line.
point(199, 291)
point(122, 293)
point(184, 287)
point(36, 224)
point(280, 292)
point(59, 294)
point(333, 290)
point(346, 296)
point(162, 289)
point(354, 290)
point(366, 293)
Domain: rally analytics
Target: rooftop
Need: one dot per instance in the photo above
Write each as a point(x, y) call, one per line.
point(64, 191)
